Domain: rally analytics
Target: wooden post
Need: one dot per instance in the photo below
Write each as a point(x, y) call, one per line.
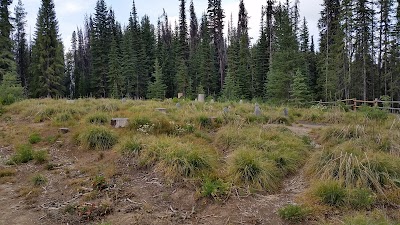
point(354, 104)
point(376, 102)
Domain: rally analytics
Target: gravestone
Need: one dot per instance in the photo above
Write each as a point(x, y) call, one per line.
point(212, 101)
point(201, 98)
point(162, 110)
point(123, 100)
point(257, 110)
point(119, 122)
point(285, 112)
point(178, 105)
point(226, 110)
point(180, 95)
point(70, 101)
point(241, 102)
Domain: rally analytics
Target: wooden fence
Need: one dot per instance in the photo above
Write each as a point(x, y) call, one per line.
point(354, 104)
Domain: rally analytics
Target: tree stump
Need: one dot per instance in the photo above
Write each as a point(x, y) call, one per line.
point(119, 122)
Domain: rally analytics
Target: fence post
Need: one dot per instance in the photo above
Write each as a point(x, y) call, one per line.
point(354, 104)
point(376, 102)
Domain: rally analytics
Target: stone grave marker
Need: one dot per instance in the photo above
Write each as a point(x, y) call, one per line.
point(162, 110)
point(257, 110)
point(201, 98)
point(119, 122)
point(285, 112)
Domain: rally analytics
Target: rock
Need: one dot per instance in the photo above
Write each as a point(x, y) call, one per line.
point(119, 122)
point(285, 112)
point(226, 110)
point(241, 102)
point(64, 130)
point(178, 105)
point(162, 110)
point(201, 98)
point(257, 110)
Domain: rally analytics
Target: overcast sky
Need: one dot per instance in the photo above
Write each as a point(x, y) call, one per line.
point(71, 13)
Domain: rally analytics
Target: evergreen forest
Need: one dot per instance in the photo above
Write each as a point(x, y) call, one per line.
point(357, 54)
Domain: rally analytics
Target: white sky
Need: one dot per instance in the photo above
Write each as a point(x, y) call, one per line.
point(71, 13)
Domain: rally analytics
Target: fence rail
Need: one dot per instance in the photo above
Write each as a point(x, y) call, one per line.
point(356, 103)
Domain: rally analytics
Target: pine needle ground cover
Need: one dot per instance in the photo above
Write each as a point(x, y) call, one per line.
point(347, 163)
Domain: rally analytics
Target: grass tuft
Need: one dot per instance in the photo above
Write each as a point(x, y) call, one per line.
point(331, 193)
point(23, 154)
point(214, 188)
point(40, 156)
point(35, 138)
point(247, 166)
point(97, 119)
point(39, 180)
point(294, 213)
point(99, 138)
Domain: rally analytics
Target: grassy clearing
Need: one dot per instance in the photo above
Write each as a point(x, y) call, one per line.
point(357, 169)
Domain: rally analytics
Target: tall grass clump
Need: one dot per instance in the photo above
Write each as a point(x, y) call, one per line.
point(248, 167)
point(97, 119)
point(374, 218)
point(39, 180)
point(331, 193)
point(356, 168)
point(339, 134)
point(185, 160)
point(214, 188)
point(131, 147)
point(99, 138)
point(23, 154)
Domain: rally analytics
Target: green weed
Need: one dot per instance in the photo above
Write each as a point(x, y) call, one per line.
point(331, 193)
point(39, 180)
point(23, 154)
point(294, 213)
point(35, 138)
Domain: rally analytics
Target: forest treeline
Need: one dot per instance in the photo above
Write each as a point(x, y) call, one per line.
point(357, 57)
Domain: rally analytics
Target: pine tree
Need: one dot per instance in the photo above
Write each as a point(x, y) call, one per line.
point(300, 93)
point(157, 88)
point(244, 76)
point(100, 46)
point(114, 78)
point(69, 74)
point(149, 48)
point(21, 45)
point(47, 54)
point(286, 60)
point(184, 48)
point(7, 64)
point(183, 79)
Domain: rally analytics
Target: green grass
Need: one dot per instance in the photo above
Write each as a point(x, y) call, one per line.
point(23, 154)
point(294, 213)
point(35, 138)
point(5, 172)
point(248, 167)
point(131, 147)
point(214, 188)
point(98, 119)
point(184, 160)
point(39, 180)
point(41, 156)
point(331, 193)
point(99, 138)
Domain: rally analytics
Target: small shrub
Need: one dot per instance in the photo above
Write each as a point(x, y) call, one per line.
point(39, 180)
point(98, 119)
point(204, 121)
point(361, 198)
point(131, 147)
point(250, 168)
point(34, 138)
point(45, 114)
point(331, 193)
point(99, 138)
point(99, 183)
point(214, 188)
point(40, 156)
point(293, 213)
point(373, 113)
point(23, 154)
